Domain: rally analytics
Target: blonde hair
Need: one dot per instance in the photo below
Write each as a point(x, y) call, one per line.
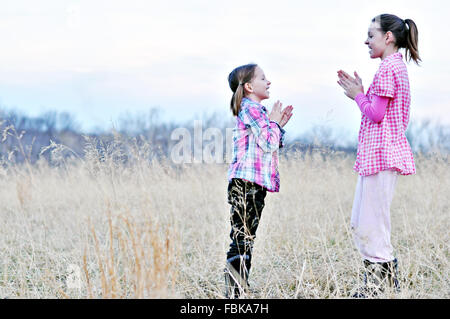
point(236, 79)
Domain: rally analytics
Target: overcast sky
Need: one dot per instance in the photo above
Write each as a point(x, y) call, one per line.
point(100, 59)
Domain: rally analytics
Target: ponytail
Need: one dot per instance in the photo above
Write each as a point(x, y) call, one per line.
point(412, 42)
point(405, 32)
point(236, 99)
point(236, 79)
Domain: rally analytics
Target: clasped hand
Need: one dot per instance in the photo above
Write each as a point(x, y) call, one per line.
point(352, 86)
point(280, 116)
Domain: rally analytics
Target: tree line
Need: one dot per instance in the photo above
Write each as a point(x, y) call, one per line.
point(27, 138)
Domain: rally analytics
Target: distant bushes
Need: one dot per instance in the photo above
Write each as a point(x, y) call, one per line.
point(26, 138)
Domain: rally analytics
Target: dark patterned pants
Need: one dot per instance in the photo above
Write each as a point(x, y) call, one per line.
point(247, 202)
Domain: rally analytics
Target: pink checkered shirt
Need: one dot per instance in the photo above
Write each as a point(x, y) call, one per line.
point(256, 141)
point(383, 145)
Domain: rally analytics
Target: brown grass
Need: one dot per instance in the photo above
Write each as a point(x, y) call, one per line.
point(147, 230)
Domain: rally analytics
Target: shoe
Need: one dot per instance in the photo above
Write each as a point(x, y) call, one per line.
point(236, 282)
point(377, 277)
point(391, 275)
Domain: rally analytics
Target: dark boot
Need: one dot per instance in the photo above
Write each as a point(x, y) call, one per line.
point(372, 278)
point(377, 277)
point(236, 277)
point(391, 275)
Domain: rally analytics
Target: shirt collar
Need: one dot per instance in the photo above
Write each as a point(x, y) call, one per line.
point(396, 55)
point(247, 100)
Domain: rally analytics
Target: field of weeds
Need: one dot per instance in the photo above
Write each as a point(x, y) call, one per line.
point(101, 227)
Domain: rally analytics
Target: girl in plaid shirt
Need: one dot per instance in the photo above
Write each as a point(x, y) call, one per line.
point(253, 171)
point(383, 150)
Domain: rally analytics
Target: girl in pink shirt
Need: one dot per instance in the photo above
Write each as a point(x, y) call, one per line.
point(253, 170)
point(383, 150)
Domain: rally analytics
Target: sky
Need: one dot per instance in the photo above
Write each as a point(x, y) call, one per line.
point(99, 60)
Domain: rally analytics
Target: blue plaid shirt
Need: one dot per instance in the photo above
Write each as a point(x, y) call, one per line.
point(256, 141)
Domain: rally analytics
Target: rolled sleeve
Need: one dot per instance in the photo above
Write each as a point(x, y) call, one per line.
point(269, 135)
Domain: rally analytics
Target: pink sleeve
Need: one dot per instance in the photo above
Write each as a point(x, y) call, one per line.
point(269, 135)
point(375, 110)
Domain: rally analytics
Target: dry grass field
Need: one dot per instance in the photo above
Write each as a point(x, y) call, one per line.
point(99, 228)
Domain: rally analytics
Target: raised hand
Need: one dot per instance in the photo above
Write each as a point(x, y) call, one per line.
point(287, 114)
point(352, 86)
point(276, 113)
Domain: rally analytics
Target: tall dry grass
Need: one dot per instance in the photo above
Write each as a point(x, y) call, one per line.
point(103, 227)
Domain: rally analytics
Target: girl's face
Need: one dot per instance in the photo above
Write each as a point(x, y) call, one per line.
point(258, 87)
point(376, 41)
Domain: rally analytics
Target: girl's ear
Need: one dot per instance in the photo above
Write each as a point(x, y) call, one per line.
point(248, 88)
point(390, 38)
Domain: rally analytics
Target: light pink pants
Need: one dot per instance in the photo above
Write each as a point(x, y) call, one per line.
point(371, 218)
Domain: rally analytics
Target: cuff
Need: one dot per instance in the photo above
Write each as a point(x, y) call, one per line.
point(282, 133)
point(360, 97)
